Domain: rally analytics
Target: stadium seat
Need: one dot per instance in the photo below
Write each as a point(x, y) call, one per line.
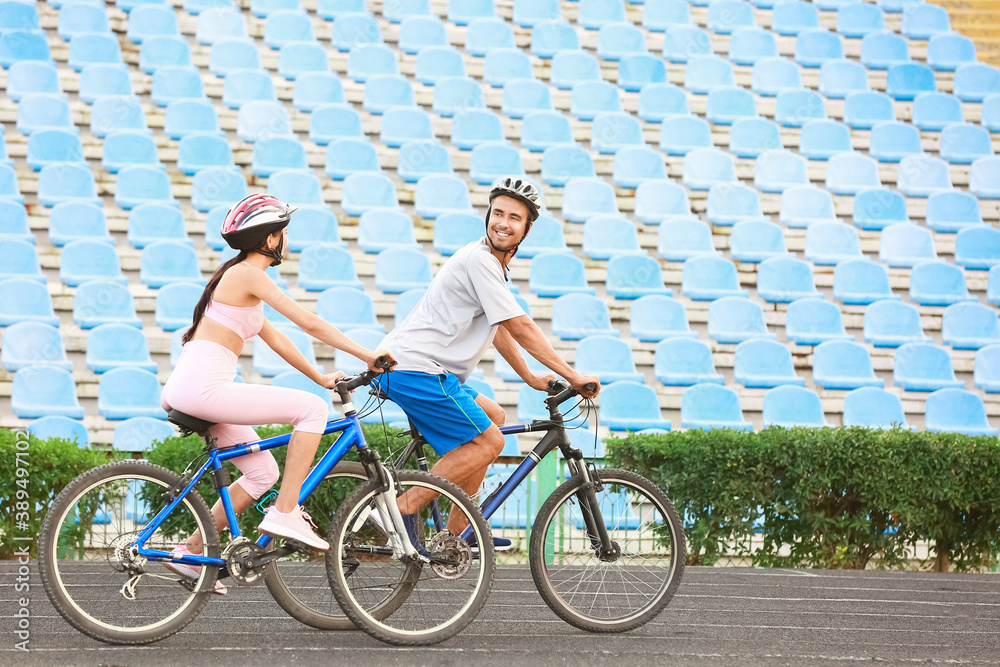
point(794, 17)
point(727, 16)
point(453, 231)
point(219, 23)
point(351, 29)
point(326, 266)
point(679, 135)
point(347, 309)
point(152, 20)
point(890, 323)
point(947, 52)
point(405, 303)
point(60, 427)
point(584, 198)
point(522, 96)
point(546, 236)
point(379, 230)
point(789, 406)
point(588, 99)
point(607, 235)
point(19, 45)
point(805, 205)
point(81, 17)
point(14, 222)
point(9, 189)
point(103, 80)
point(731, 203)
point(400, 269)
point(129, 392)
point(993, 286)
point(811, 321)
point(456, 93)
point(976, 81)
point(636, 165)
point(182, 117)
point(709, 406)
point(990, 117)
point(313, 226)
point(710, 277)
point(704, 167)
point(874, 408)
point(850, 173)
point(54, 146)
point(418, 32)
point(607, 357)
point(271, 155)
point(656, 201)
point(315, 89)
point(728, 104)
point(778, 170)
point(822, 139)
point(164, 51)
point(166, 262)
point(18, 16)
point(261, 120)
point(924, 367)
point(987, 369)
point(400, 11)
point(795, 108)
point(417, 158)
point(683, 361)
point(785, 279)
point(633, 276)
point(138, 434)
point(231, 55)
point(970, 326)
point(41, 111)
point(964, 143)
point(30, 77)
point(952, 211)
point(817, 46)
point(176, 83)
point(906, 81)
point(464, 12)
point(923, 175)
point(656, 317)
point(924, 20)
point(631, 406)
point(175, 305)
point(343, 158)
point(935, 111)
point(570, 67)
point(884, 49)
point(754, 241)
point(472, 127)
point(978, 248)
point(286, 26)
point(858, 19)
point(682, 237)
point(215, 186)
point(62, 182)
point(843, 364)
point(593, 14)
point(705, 73)
point(829, 243)
point(247, 85)
point(367, 191)
point(891, 141)
point(41, 391)
point(733, 319)
point(25, 299)
point(683, 42)
point(748, 45)
point(661, 15)
point(296, 187)
point(138, 185)
point(301, 58)
point(638, 71)
point(576, 316)
point(554, 274)
point(957, 411)
point(99, 301)
point(491, 161)
point(861, 281)
point(878, 208)
point(92, 49)
point(612, 131)
point(264, 8)
point(620, 40)
point(864, 110)
point(112, 346)
point(486, 34)
point(402, 124)
point(507, 64)
point(33, 343)
point(840, 78)
point(72, 221)
point(551, 36)
point(437, 194)
point(129, 148)
point(906, 245)
point(542, 129)
point(661, 101)
point(385, 91)
point(436, 63)
point(750, 137)
point(766, 363)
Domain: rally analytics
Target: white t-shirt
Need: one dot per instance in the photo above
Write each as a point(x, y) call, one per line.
point(452, 325)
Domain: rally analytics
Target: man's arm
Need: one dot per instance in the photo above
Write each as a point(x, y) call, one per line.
point(508, 349)
point(524, 330)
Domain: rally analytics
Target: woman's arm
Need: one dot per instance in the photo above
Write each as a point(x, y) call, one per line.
point(285, 348)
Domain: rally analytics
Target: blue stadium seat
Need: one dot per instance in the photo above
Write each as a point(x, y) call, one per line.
point(858, 19)
point(990, 117)
point(71, 221)
point(437, 194)
point(405, 303)
point(380, 230)
point(748, 45)
point(82, 17)
point(754, 241)
point(993, 286)
point(453, 231)
point(164, 51)
point(906, 245)
point(829, 243)
point(542, 129)
point(607, 357)
point(878, 208)
point(924, 367)
point(794, 17)
point(923, 175)
point(728, 104)
point(947, 52)
point(14, 222)
point(175, 305)
point(24, 299)
point(727, 16)
point(576, 316)
point(30, 77)
point(220, 23)
point(705, 73)
point(326, 266)
point(18, 16)
point(987, 369)
point(40, 391)
point(491, 161)
point(978, 247)
point(883, 49)
point(906, 81)
point(704, 167)
point(402, 124)
point(472, 127)
point(584, 198)
point(822, 139)
point(923, 21)
point(418, 32)
point(890, 323)
point(614, 130)
point(750, 137)
point(804, 205)
point(957, 411)
point(456, 93)
point(400, 11)
point(264, 8)
point(683, 42)
point(296, 187)
point(60, 427)
point(679, 135)
point(661, 15)
point(138, 185)
point(417, 158)
point(129, 148)
point(103, 300)
point(680, 238)
point(176, 83)
point(551, 36)
point(733, 319)
point(247, 85)
point(385, 91)
point(790, 406)
point(286, 26)
point(843, 364)
point(435, 63)
point(840, 78)
point(352, 29)
point(817, 46)
point(9, 190)
point(850, 173)
point(785, 279)
point(952, 211)
point(138, 434)
point(112, 346)
point(764, 363)
point(708, 406)
point(269, 155)
point(367, 191)
point(522, 96)
point(546, 236)
point(54, 146)
point(32, 343)
point(731, 203)
point(631, 406)
point(301, 58)
point(215, 186)
point(347, 308)
point(18, 45)
point(634, 276)
point(970, 326)
point(874, 408)
point(636, 165)
point(230, 55)
point(864, 110)
point(659, 102)
point(486, 34)
point(984, 178)
point(571, 67)
point(657, 201)
point(150, 21)
point(861, 281)
point(196, 7)
point(166, 262)
point(343, 158)
point(709, 277)
point(778, 170)
point(638, 71)
point(656, 317)
point(103, 80)
point(92, 49)
point(313, 226)
point(795, 108)
point(400, 269)
point(593, 14)
point(964, 143)
point(182, 117)
point(66, 182)
point(554, 274)
point(682, 361)
point(129, 392)
point(464, 12)
point(40, 111)
point(772, 75)
point(588, 100)
point(891, 141)
point(620, 40)
point(260, 120)
point(812, 321)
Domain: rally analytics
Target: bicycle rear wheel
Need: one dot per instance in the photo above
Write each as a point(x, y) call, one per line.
point(608, 596)
point(83, 554)
point(403, 602)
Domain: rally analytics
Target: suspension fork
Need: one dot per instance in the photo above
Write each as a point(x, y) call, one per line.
point(385, 504)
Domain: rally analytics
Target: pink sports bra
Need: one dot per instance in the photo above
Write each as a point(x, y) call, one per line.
point(246, 322)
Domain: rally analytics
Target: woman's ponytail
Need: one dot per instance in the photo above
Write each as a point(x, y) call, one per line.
point(206, 296)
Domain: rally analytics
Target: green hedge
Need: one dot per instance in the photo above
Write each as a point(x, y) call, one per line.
point(828, 498)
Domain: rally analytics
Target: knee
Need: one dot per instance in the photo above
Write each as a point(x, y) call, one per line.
point(261, 477)
point(314, 415)
point(494, 441)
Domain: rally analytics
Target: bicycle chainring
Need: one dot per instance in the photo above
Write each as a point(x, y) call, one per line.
point(236, 551)
point(451, 556)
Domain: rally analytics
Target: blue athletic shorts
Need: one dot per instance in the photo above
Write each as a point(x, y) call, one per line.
point(443, 410)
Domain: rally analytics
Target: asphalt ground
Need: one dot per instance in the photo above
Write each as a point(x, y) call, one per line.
point(720, 616)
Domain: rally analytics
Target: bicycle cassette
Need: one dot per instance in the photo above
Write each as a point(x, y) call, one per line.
point(451, 556)
point(236, 553)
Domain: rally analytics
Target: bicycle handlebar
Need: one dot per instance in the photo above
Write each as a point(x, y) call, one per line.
point(352, 382)
point(560, 390)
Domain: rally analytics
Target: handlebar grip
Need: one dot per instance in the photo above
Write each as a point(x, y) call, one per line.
point(357, 381)
point(590, 386)
point(383, 363)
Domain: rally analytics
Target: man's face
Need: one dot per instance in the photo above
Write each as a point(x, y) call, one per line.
point(508, 220)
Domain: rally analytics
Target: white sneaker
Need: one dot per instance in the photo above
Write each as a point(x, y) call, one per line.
point(190, 571)
point(296, 525)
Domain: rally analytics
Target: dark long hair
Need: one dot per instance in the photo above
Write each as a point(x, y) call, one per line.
point(206, 296)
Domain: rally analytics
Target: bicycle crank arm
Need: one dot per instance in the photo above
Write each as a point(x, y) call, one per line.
point(266, 558)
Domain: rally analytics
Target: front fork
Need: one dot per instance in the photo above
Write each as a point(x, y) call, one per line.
point(602, 544)
point(386, 506)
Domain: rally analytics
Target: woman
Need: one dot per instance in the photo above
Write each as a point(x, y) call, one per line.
point(230, 312)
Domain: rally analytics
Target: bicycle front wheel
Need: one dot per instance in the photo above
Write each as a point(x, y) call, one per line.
point(89, 571)
point(402, 601)
point(612, 595)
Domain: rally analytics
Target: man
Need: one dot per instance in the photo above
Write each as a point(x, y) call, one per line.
point(468, 306)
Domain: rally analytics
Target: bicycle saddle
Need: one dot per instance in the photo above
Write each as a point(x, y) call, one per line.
point(189, 424)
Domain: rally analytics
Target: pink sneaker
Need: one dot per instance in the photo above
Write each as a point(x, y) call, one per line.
point(296, 525)
point(190, 571)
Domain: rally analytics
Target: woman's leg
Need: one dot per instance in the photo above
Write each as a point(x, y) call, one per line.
point(301, 452)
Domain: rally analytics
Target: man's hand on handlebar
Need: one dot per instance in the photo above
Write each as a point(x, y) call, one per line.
point(587, 386)
point(381, 361)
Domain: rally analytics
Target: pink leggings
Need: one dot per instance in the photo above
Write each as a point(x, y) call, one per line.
point(202, 386)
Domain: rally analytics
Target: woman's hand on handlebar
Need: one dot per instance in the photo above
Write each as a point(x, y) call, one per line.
point(329, 381)
point(580, 384)
point(381, 361)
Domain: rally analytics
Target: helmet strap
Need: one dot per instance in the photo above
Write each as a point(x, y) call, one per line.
point(273, 253)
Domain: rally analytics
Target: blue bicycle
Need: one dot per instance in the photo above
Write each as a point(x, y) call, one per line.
point(108, 534)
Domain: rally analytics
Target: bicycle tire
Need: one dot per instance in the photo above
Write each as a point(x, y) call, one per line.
point(71, 587)
point(390, 607)
point(559, 536)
